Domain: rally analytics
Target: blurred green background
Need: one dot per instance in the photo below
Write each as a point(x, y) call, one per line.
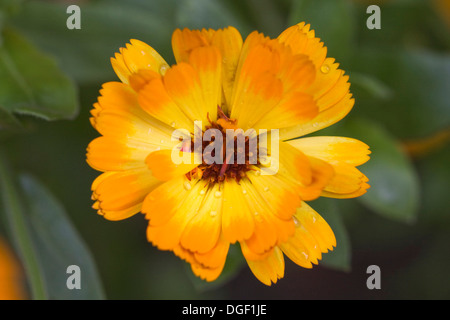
point(400, 76)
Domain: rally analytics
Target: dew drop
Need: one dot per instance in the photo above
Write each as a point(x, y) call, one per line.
point(266, 189)
point(325, 69)
point(305, 255)
point(313, 219)
point(244, 191)
point(163, 68)
point(162, 141)
point(187, 186)
point(258, 173)
point(213, 213)
point(202, 192)
point(149, 130)
point(218, 194)
point(173, 124)
point(296, 222)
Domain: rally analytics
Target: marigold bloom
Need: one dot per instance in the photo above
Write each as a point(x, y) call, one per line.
point(11, 277)
point(195, 210)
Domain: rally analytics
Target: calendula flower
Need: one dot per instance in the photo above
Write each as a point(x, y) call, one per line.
point(11, 277)
point(281, 88)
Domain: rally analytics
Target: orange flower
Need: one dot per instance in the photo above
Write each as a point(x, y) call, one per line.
point(198, 209)
point(10, 275)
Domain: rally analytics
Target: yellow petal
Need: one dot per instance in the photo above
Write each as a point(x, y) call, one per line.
point(229, 42)
point(164, 168)
point(316, 226)
point(269, 270)
point(257, 85)
point(203, 229)
point(120, 194)
point(167, 235)
point(184, 41)
point(183, 85)
point(207, 61)
point(334, 149)
point(155, 100)
point(324, 119)
point(302, 40)
point(136, 56)
point(269, 228)
point(237, 219)
point(105, 153)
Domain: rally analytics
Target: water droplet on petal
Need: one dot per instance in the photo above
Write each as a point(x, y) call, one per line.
point(187, 186)
point(213, 213)
point(244, 191)
point(162, 141)
point(218, 194)
point(163, 68)
point(305, 255)
point(258, 173)
point(325, 69)
point(313, 219)
point(266, 189)
point(173, 124)
point(202, 192)
point(296, 222)
point(149, 130)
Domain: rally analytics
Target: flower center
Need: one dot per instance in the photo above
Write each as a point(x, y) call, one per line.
point(224, 155)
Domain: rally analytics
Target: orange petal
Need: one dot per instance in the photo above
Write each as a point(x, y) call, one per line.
point(164, 168)
point(120, 194)
point(156, 101)
point(183, 85)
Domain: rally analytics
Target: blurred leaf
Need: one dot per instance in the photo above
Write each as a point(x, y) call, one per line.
point(106, 25)
point(420, 82)
point(268, 16)
point(370, 86)
point(14, 212)
point(394, 191)
point(434, 174)
point(332, 21)
point(233, 265)
point(31, 83)
point(198, 14)
point(412, 23)
point(340, 257)
point(58, 245)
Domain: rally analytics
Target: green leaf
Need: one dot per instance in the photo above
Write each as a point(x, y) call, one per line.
point(106, 26)
point(31, 82)
point(332, 21)
point(394, 191)
point(420, 83)
point(340, 257)
point(198, 14)
point(14, 212)
point(435, 178)
point(58, 244)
